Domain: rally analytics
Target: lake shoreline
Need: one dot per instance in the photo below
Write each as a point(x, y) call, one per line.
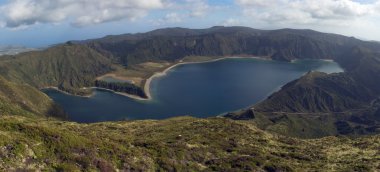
point(147, 83)
point(92, 94)
point(65, 92)
point(199, 90)
point(121, 93)
point(164, 72)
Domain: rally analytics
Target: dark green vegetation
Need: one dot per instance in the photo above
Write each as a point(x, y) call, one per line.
point(76, 64)
point(22, 99)
point(178, 144)
point(68, 67)
point(313, 106)
point(122, 87)
point(343, 100)
point(318, 92)
point(319, 104)
point(175, 43)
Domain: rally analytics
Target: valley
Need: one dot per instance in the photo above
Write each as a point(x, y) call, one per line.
point(141, 75)
point(194, 89)
point(298, 114)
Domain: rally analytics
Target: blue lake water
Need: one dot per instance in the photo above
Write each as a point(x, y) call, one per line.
point(199, 90)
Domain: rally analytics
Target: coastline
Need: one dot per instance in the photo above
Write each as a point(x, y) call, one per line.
point(164, 72)
point(120, 93)
point(64, 92)
point(147, 83)
point(92, 94)
point(325, 60)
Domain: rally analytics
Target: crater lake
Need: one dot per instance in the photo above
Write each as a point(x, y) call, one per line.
point(199, 89)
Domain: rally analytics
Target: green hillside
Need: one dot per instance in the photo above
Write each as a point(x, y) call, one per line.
point(68, 67)
point(171, 44)
point(318, 92)
point(22, 99)
point(178, 144)
point(320, 104)
point(261, 138)
point(77, 64)
point(343, 101)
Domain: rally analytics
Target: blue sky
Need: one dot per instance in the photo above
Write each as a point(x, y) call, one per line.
point(39, 23)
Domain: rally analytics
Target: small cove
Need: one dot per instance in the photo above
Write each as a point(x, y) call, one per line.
point(199, 89)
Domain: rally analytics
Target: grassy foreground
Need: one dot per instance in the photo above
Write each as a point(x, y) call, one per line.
point(181, 144)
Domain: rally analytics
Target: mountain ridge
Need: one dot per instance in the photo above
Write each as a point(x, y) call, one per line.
point(74, 65)
point(68, 67)
point(171, 45)
point(261, 138)
point(346, 101)
point(246, 37)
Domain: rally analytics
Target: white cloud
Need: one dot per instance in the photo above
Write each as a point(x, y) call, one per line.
point(183, 10)
point(336, 12)
point(172, 18)
point(356, 17)
point(198, 8)
point(231, 22)
point(257, 3)
point(168, 19)
point(18, 13)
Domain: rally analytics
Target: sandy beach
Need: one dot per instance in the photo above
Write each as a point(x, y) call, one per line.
point(121, 93)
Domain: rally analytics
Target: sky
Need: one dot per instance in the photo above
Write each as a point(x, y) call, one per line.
point(40, 23)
